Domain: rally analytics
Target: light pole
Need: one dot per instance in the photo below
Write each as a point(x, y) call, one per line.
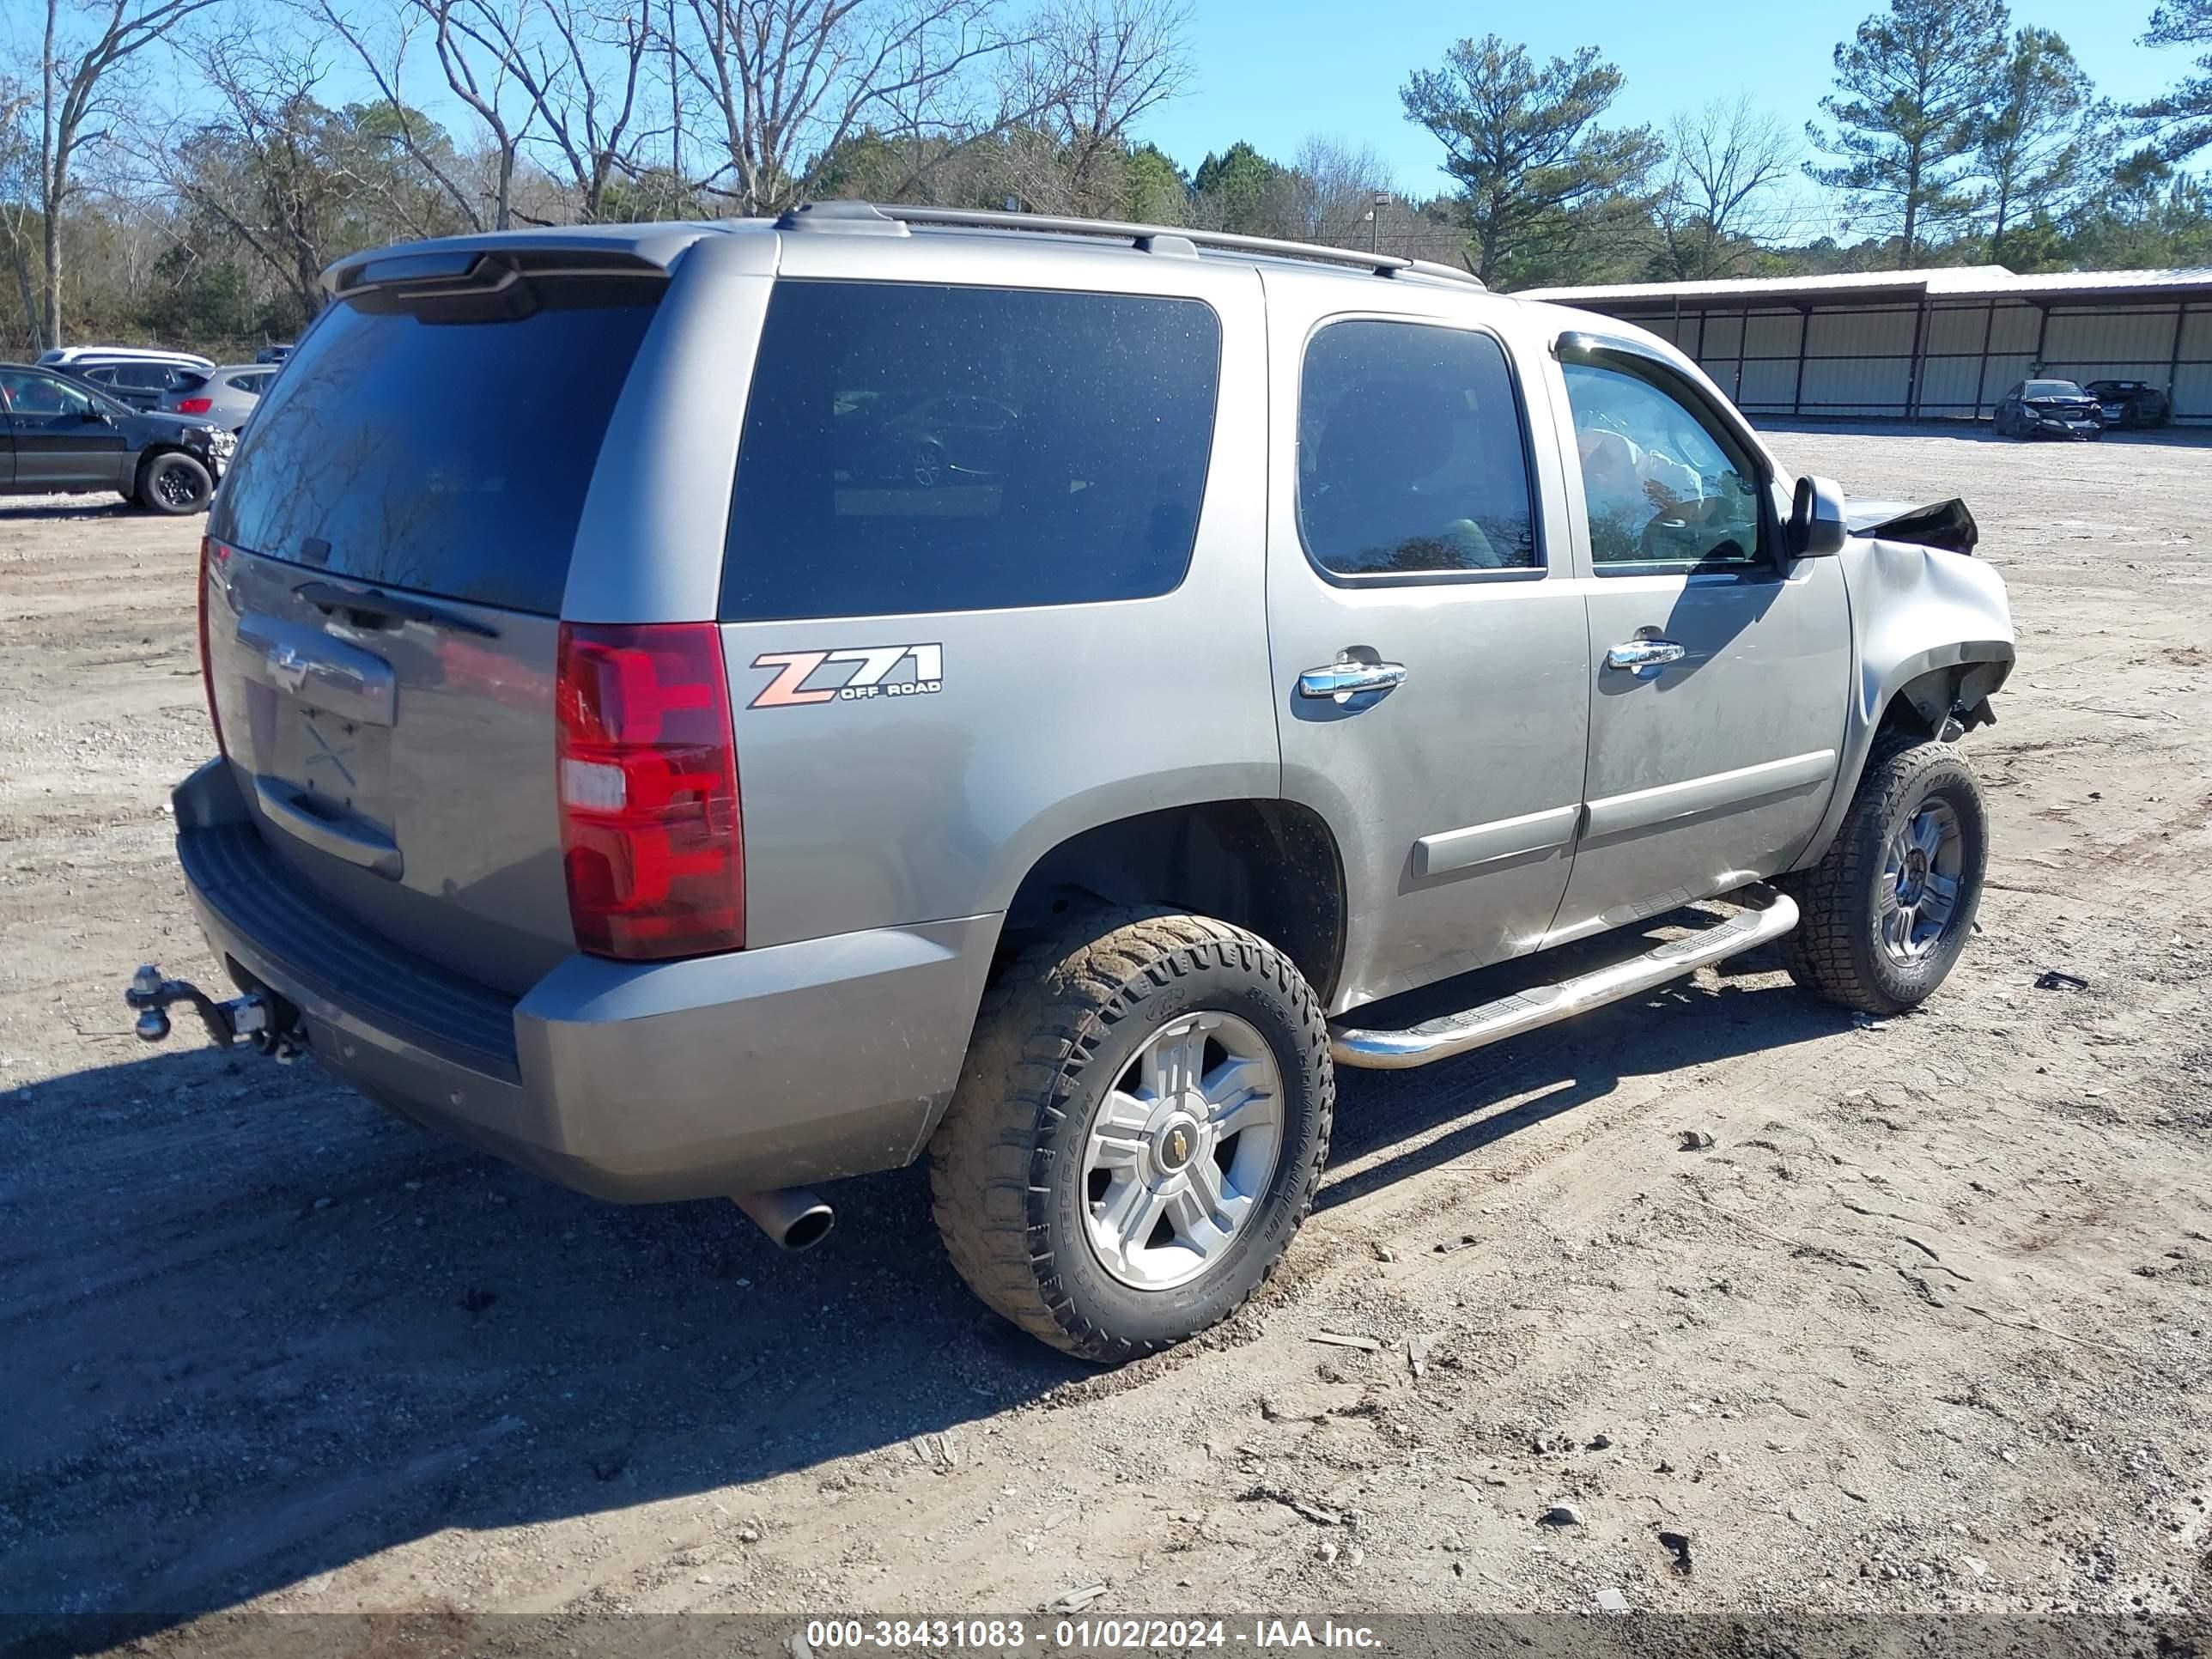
point(1374, 219)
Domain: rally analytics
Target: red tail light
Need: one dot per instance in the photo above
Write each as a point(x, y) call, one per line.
point(194, 405)
point(648, 770)
point(213, 555)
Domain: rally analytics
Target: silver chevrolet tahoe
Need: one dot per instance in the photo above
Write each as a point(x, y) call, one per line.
point(708, 709)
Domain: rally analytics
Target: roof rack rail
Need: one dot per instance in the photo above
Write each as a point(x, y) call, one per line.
point(1171, 240)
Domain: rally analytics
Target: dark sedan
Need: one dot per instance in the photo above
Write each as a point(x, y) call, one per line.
point(2048, 409)
point(2131, 403)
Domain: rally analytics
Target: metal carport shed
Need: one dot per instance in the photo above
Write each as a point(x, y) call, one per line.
point(1927, 344)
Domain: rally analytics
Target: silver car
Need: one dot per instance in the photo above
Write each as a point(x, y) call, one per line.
point(625, 770)
point(227, 395)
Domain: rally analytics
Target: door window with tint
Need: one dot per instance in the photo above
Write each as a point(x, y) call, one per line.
point(1410, 455)
point(41, 400)
point(914, 448)
point(1664, 487)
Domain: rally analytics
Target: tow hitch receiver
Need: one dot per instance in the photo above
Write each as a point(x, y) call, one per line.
point(268, 1023)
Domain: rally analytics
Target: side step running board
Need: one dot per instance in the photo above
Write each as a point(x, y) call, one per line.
point(1771, 915)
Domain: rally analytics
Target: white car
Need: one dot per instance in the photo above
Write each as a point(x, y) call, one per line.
point(139, 376)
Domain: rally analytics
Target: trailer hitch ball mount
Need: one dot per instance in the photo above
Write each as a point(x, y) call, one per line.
point(269, 1024)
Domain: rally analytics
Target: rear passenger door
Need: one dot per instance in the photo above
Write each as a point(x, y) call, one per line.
point(993, 568)
point(1428, 635)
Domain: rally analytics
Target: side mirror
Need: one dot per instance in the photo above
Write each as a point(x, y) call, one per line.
point(1816, 528)
point(95, 413)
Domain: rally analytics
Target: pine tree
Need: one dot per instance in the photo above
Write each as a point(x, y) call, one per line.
point(1913, 87)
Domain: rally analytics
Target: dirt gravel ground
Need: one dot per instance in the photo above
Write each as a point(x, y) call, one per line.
point(1928, 1327)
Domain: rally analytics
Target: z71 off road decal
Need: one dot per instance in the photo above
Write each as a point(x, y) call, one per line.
point(871, 678)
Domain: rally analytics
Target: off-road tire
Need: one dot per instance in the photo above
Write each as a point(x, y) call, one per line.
point(150, 496)
point(1835, 950)
point(1056, 1028)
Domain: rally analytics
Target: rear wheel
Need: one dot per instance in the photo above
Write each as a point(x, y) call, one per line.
point(1890, 906)
point(1138, 1133)
point(174, 482)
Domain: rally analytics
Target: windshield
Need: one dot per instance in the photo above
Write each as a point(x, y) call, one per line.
point(2053, 389)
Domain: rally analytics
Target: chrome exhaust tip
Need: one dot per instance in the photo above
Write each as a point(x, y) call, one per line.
point(795, 1218)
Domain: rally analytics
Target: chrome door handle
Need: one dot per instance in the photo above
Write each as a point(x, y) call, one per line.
point(1644, 657)
point(1348, 677)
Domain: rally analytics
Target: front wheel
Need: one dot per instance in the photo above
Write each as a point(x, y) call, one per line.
point(174, 482)
point(1138, 1133)
point(1891, 904)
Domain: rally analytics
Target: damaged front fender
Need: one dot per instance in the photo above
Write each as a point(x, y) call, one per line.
point(1933, 631)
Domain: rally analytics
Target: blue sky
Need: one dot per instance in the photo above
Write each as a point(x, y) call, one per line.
point(1274, 71)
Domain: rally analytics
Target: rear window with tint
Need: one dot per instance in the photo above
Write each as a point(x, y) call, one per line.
point(918, 448)
point(448, 457)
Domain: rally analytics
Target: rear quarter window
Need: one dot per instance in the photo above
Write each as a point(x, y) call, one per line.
point(447, 455)
point(914, 449)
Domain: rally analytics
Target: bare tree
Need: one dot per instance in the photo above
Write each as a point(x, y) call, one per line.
point(1725, 163)
point(266, 165)
point(260, 167)
point(1088, 72)
point(792, 83)
point(16, 160)
point(476, 44)
point(577, 64)
point(1333, 194)
point(77, 75)
point(582, 81)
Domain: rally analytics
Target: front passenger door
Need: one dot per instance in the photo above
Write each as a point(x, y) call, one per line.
point(1719, 670)
point(63, 440)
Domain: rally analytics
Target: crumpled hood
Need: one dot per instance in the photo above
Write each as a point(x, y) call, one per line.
point(1949, 526)
point(1863, 514)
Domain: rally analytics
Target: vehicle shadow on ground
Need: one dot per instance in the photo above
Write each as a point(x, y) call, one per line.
point(1558, 1069)
point(298, 1332)
point(34, 508)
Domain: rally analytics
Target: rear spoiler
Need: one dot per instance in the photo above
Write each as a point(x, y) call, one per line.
point(476, 264)
point(1949, 526)
point(482, 285)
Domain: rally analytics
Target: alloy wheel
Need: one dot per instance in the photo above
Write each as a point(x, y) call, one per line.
point(1918, 892)
point(176, 485)
point(1180, 1149)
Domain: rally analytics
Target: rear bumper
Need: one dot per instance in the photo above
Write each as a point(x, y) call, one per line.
point(795, 1064)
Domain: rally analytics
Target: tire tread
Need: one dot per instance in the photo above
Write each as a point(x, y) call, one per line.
point(1819, 952)
point(1049, 1007)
